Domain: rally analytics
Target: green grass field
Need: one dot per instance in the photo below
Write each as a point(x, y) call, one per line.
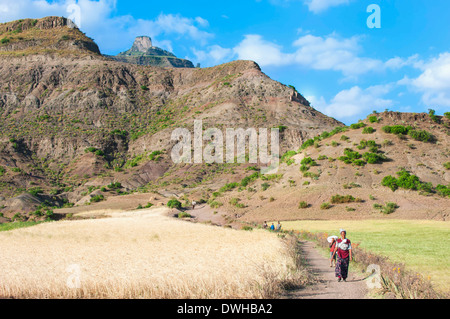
point(422, 245)
point(15, 225)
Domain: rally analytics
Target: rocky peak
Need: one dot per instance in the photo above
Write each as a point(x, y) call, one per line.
point(142, 44)
point(44, 36)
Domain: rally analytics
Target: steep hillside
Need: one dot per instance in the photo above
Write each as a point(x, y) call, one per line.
point(73, 121)
point(416, 156)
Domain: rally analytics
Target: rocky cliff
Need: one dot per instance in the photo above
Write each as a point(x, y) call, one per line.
point(144, 53)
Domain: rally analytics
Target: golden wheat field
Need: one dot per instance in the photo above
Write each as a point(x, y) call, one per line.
point(139, 254)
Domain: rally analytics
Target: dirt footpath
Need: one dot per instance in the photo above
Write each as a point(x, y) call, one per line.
point(327, 286)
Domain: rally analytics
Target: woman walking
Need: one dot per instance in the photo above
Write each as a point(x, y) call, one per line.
point(344, 255)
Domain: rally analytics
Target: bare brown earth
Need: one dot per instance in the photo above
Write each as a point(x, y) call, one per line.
point(281, 200)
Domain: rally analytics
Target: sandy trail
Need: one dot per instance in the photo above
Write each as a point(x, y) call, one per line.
point(328, 287)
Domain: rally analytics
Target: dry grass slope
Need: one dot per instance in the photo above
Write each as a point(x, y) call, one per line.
point(142, 254)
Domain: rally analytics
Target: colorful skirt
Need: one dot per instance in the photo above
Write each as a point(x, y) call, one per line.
point(341, 270)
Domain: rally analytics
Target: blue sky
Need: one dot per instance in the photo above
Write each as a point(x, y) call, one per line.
point(322, 47)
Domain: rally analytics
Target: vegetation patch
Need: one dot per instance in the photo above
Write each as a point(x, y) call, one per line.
point(341, 199)
point(387, 209)
point(173, 203)
point(418, 135)
point(303, 205)
point(324, 135)
point(368, 130)
point(406, 180)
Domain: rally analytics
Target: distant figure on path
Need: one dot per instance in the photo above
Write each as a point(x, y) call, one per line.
point(193, 204)
point(278, 226)
point(344, 255)
point(265, 225)
point(272, 227)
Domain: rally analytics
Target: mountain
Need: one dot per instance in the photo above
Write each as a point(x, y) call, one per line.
point(352, 173)
point(144, 53)
point(74, 121)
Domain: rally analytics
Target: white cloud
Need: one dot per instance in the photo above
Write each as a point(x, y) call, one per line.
point(354, 102)
point(318, 6)
point(332, 53)
point(213, 55)
point(265, 53)
point(313, 52)
point(433, 82)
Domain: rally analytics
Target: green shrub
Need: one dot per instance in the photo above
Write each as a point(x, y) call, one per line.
point(248, 179)
point(3, 170)
point(443, 190)
point(368, 130)
point(90, 149)
point(236, 202)
point(35, 191)
point(173, 203)
point(99, 153)
point(325, 206)
point(374, 119)
point(119, 133)
point(304, 168)
point(228, 187)
point(307, 143)
point(389, 208)
point(446, 165)
point(246, 228)
point(406, 181)
point(265, 186)
point(97, 198)
point(447, 115)
point(344, 138)
point(433, 117)
point(308, 161)
point(395, 129)
point(421, 135)
point(184, 215)
point(311, 175)
point(374, 158)
point(155, 155)
point(115, 185)
point(215, 204)
point(4, 41)
point(303, 205)
point(340, 199)
point(357, 125)
point(287, 156)
point(282, 128)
